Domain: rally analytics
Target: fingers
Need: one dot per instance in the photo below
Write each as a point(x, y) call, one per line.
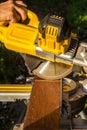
point(20, 8)
point(14, 17)
point(19, 2)
point(13, 11)
point(22, 12)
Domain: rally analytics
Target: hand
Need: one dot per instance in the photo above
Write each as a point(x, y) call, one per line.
point(12, 11)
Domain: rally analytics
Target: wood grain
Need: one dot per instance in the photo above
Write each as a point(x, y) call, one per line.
point(43, 112)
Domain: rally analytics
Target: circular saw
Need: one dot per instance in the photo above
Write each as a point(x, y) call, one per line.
point(50, 48)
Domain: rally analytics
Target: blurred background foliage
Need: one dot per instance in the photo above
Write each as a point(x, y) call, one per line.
point(9, 65)
point(74, 10)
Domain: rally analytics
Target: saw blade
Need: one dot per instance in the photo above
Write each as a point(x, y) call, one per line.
point(46, 69)
point(52, 70)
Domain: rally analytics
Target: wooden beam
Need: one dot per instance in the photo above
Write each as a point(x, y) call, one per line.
point(43, 112)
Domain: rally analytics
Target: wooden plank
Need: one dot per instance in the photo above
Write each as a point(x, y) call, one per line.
point(43, 112)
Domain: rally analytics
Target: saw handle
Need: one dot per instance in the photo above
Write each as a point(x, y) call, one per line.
point(4, 26)
point(32, 20)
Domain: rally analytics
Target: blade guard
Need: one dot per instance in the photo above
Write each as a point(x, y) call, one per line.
point(52, 71)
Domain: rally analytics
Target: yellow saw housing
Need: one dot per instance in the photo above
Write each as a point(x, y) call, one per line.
point(50, 35)
point(53, 36)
